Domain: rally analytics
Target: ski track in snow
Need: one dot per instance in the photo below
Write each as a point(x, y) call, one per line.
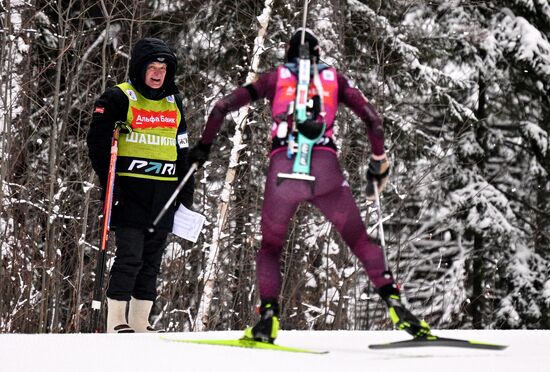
point(527, 351)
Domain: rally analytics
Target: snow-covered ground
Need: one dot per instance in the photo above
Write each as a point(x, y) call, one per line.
point(529, 351)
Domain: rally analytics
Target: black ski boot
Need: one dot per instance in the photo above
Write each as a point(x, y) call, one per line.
point(268, 325)
point(401, 317)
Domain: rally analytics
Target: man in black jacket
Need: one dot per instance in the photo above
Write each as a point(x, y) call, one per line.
point(152, 156)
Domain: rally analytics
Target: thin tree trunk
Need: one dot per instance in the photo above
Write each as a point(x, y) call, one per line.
point(211, 270)
point(541, 235)
point(49, 268)
point(5, 123)
point(91, 175)
point(5, 70)
point(477, 283)
point(477, 264)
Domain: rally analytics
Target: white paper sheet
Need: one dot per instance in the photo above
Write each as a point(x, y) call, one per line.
point(188, 224)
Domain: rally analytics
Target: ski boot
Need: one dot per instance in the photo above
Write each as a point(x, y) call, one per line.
point(402, 318)
point(268, 325)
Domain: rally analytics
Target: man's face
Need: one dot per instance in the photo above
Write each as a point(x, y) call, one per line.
point(155, 74)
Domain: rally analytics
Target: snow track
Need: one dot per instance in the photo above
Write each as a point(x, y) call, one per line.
point(528, 351)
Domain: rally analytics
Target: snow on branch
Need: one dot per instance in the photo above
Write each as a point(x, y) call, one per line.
point(537, 136)
point(409, 53)
point(110, 33)
point(525, 43)
point(487, 209)
point(526, 276)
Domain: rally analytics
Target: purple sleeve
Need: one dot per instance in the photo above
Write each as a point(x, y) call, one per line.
point(356, 101)
point(264, 87)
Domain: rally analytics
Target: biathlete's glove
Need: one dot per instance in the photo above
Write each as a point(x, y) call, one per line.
point(199, 154)
point(378, 171)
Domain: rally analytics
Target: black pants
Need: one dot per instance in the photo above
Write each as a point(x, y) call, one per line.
point(137, 264)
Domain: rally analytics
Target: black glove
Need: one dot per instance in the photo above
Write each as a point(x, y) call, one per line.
point(199, 154)
point(186, 199)
point(378, 172)
point(123, 127)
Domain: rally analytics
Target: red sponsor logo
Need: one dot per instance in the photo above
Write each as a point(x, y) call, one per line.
point(99, 110)
point(154, 119)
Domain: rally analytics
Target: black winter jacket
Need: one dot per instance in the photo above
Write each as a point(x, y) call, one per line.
point(138, 201)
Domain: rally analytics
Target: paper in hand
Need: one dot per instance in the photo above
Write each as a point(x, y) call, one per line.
point(188, 224)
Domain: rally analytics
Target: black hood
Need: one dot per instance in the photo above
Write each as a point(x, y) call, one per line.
point(149, 50)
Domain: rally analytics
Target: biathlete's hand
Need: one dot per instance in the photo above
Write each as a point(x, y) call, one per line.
point(378, 171)
point(199, 154)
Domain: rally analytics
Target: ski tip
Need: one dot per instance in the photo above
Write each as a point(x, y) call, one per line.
point(485, 345)
point(435, 341)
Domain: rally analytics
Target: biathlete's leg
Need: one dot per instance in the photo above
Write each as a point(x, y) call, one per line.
point(279, 205)
point(339, 208)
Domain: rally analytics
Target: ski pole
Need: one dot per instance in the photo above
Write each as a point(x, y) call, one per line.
point(164, 209)
point(102, 253)
point(380, 222)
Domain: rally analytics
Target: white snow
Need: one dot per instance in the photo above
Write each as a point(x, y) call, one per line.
point(527, 351)
point(536, 134)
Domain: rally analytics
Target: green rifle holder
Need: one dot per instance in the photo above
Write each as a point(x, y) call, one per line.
point(302, 162)
point(309, 133)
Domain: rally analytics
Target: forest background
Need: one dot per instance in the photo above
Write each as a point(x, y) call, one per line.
point(463, 88)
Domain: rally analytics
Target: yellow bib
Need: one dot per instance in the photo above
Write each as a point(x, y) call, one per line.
point(150, 150)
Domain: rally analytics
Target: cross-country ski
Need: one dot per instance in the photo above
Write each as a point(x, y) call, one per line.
point(433, 341)
point(246, 343)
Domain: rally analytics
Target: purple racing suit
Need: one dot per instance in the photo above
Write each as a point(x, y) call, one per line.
point(331, 193)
